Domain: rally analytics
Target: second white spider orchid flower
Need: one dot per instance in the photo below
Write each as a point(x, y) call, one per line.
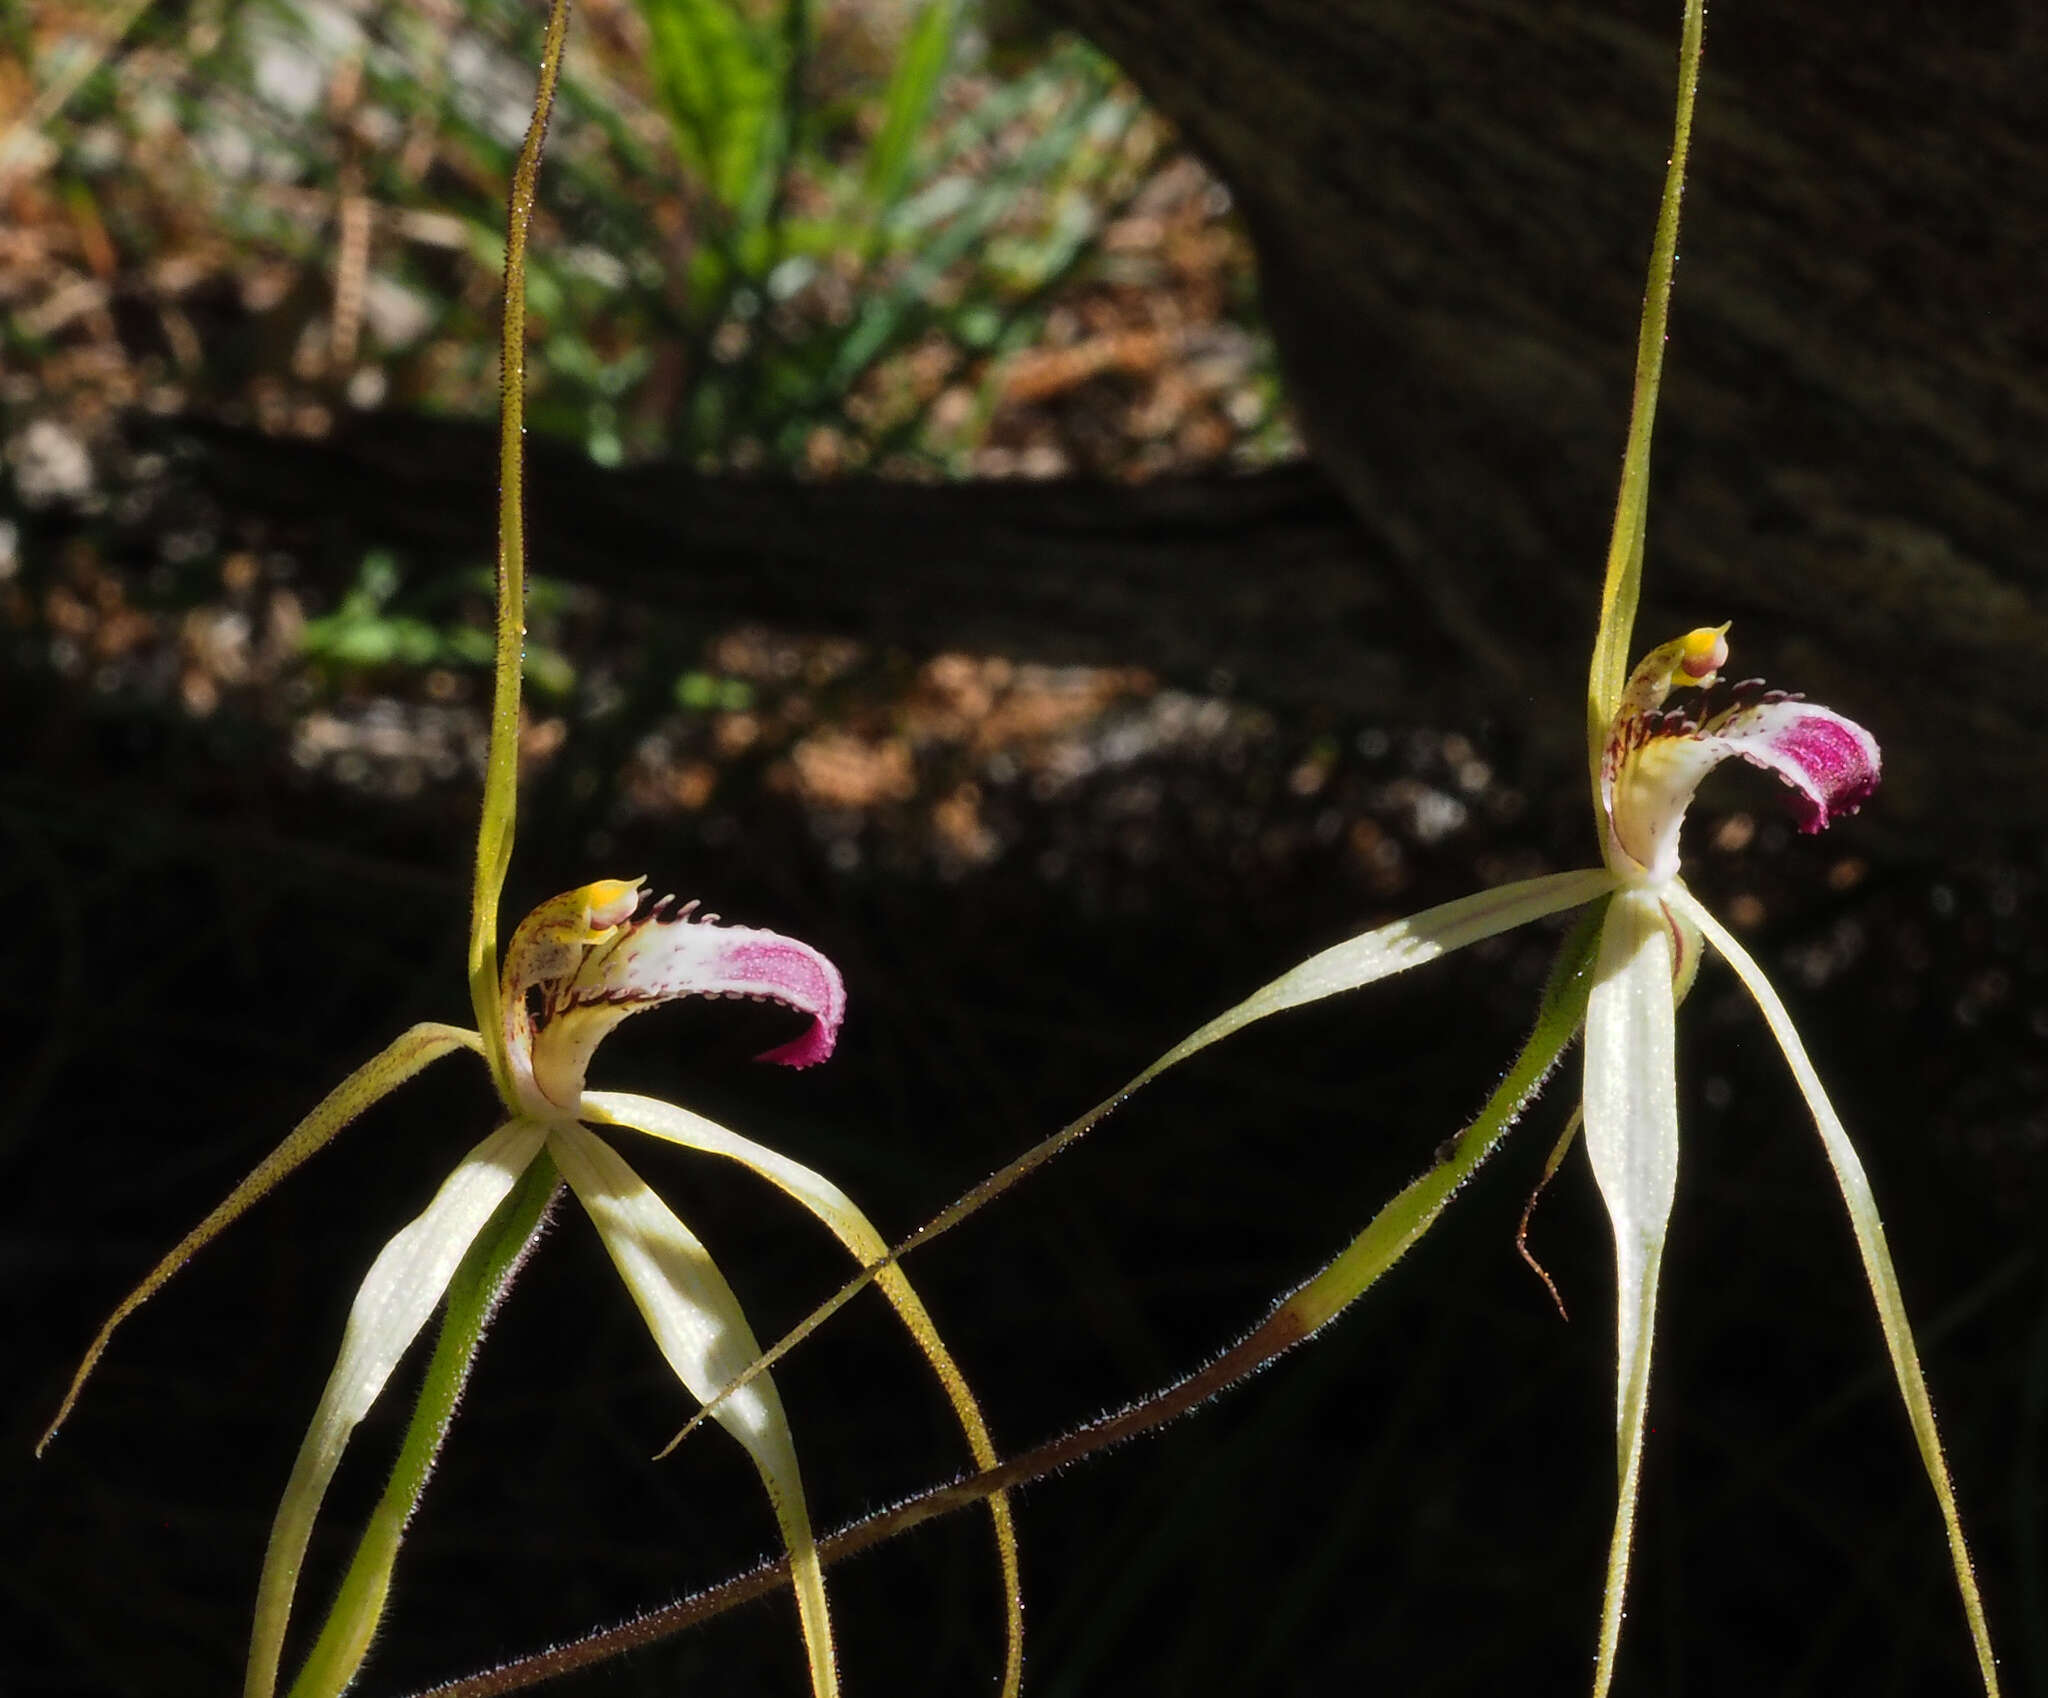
point(1620, 975)
point(1619, 979)
point(576, 967)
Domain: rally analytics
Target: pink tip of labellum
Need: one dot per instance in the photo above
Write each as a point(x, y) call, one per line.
point(798, 977)
point(1831, 764)
point(805, 1050)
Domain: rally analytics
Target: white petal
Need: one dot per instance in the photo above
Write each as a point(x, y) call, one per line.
point(397, 1296)
point(851, 1227)
point(382, 1074)
point(1631, 1111)
point(1395, 948)
point(1877, 1259)
point(697, 1322)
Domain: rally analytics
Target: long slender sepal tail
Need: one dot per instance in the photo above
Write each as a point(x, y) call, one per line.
point(1350, 965)
point(1631, 1117)
point(376, 1079)
point(853, 1229)
point(700, 1329)
point(1877, 1265)
point(400, 1292)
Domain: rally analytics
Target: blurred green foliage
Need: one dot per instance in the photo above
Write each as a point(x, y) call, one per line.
point(774, 230)
point(375, 628)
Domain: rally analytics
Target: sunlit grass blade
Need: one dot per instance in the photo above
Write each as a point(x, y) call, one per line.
point(1622, 585)
point(1877, 1264)
point(913, 86)
point(400, 1291)
point(888, 316)
point(1350, 965)
point(720, 76)
point(479, 1284)
point(377, 1078)
point(852, 1228)
point(698, 1324)
point(1631, 1116)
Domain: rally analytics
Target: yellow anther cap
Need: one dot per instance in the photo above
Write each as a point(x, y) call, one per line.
point(1702, 653)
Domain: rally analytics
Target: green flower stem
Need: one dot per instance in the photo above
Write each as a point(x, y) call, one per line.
point(501, 768)
point(480, 1284)
point(1624, 578)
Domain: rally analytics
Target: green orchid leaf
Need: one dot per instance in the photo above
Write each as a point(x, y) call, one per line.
point(702, 1332)
point(401, 1290)
point(370, 1083)
point(1350, 965)
point(1390, 1233)
point(1877, 1261)
point(852, 1228)
point(1631, 1115)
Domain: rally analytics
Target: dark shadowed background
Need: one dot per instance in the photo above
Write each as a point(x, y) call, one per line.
point(1055, 760)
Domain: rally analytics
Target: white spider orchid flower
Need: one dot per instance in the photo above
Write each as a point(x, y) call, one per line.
point(576, 967)
point(1619, 978)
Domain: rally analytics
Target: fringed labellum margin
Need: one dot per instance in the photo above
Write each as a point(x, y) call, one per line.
point(582, 963)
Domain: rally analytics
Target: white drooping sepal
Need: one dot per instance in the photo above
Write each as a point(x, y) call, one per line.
point(1631, 1094)
point(397, 1298)
point(1631, 1111)
point(697, 1324)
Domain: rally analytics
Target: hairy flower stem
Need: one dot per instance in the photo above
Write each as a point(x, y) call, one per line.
point(501, 769)
point(1297, 1317)
point(487, 1270)
point(479, 1286)
point(1624, 576)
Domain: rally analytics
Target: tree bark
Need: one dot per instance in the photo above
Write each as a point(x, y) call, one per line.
point(1452, 206)
point(1264, 583)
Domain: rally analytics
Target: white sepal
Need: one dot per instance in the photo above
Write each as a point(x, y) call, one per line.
point(698, 1324)
point(401, 1290)
point(844, 1219)
point(1394, 948)
point(1877, 1262)
point(1631, 1112)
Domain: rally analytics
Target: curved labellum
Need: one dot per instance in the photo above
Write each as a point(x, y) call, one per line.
point(586, 960)
point(1655, 760)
